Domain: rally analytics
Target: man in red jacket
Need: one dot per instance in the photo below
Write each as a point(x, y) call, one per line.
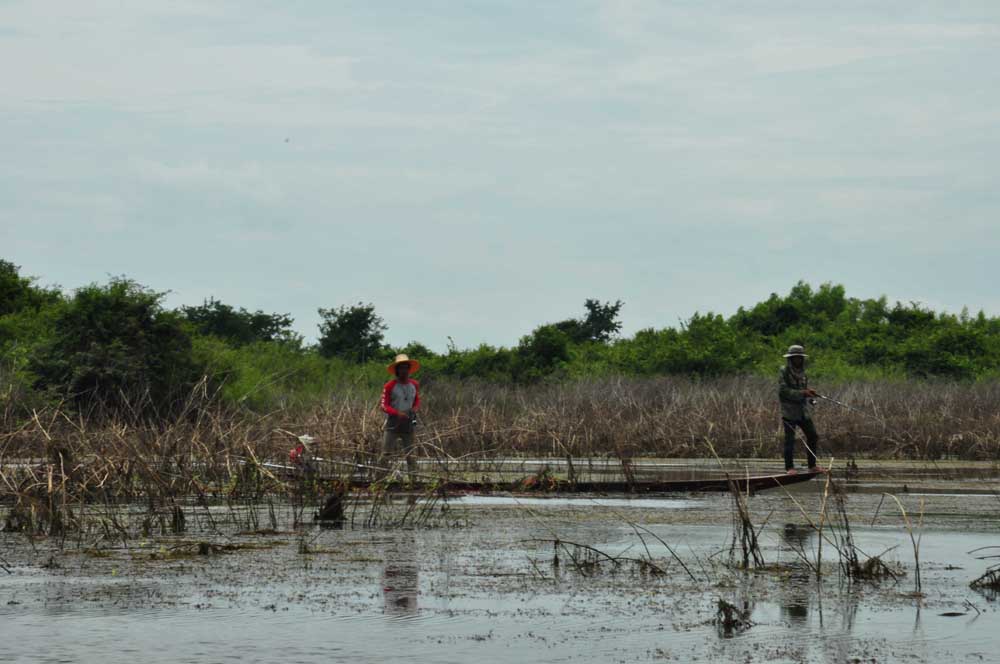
point(400, 400)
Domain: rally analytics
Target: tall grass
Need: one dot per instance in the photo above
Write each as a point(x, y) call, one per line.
point(210, 450)
point(601, 417)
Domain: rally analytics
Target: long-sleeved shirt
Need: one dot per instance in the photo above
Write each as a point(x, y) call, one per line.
point(791, 393)
point(399, 398)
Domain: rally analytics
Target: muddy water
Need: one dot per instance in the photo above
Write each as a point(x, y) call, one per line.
point(478, 583)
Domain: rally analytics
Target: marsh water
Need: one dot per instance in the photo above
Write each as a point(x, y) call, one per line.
point(483, 579)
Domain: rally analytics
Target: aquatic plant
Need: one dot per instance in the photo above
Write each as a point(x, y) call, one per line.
point(990, 579)
point(730, 619)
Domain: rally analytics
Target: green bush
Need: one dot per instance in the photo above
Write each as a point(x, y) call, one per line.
point(484, 362)
point(268, 375)
point(114, 347)
point(540, 353)
point(239, 327)
point(352, 333)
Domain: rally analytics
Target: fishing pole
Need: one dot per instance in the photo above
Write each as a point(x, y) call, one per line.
point(851, 408)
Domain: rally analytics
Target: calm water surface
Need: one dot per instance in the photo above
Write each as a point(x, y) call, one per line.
point(479, 583)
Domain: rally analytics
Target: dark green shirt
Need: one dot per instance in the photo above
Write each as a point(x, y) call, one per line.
point(791, 393)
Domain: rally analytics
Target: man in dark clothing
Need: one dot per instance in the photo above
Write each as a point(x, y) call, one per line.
point(796, 398)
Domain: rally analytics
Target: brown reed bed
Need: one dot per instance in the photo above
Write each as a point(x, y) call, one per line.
point(672, 417)
point(55, 461)
point(623, 418)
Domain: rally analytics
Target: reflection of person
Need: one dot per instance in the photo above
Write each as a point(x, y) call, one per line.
point(400, 400)
point(795, 396)
point(793, 604)
point(400, 578)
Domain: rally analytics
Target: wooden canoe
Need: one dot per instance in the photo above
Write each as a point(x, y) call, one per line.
point(545, 483)
point(532, 484)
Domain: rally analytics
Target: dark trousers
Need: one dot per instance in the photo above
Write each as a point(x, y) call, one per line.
point(812, 439)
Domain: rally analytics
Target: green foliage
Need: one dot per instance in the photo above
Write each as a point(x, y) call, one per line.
point(26, 322)
point(847, 338)
point(25, 309)
point(351, 333)
point(18, 294)
point(599, 325)
point(267, 375)
point(803, 307)
point(540, 353)
point(854, 337)
point(483, 362)
point(114, 346)
point(239, 327)
point(705, 346)
point(28, 328)
point(414, 349)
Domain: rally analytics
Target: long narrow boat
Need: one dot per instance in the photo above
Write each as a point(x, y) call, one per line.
point(545, 483)
point(743, 484)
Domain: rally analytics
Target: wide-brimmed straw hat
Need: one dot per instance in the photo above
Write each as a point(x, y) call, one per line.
point(796, 351)
point(414, 365)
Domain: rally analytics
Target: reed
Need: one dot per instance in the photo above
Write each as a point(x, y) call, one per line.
point(57, 464)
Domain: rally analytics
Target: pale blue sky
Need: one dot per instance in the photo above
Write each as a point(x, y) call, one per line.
point(475, 169)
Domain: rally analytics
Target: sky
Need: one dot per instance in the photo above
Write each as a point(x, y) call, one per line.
point(476, 169)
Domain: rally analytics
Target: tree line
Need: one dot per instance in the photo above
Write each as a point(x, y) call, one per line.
point(115, 345)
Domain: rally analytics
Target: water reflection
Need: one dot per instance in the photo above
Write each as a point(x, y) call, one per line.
point(400, 575)
point(794, 603)
point(801, 600)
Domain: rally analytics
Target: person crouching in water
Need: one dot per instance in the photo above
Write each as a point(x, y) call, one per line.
point(400, 400)
point(795, 396)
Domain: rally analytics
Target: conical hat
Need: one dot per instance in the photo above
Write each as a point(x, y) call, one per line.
point(402, 357)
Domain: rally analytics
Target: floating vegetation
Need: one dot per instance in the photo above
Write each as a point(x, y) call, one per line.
point(989, 581)
point(588, 560)
point(202, 548)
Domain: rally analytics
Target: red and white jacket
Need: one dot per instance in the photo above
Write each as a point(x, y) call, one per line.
point(398, 397)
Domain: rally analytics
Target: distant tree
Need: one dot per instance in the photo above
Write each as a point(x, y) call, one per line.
point(18, 293)
point(907, 320)
point(417, 350)
point(239, 327)
point(540, 352)
point(801, 307)
point(26, 312)
point(353, 333)
point(600, 323)
point(114, 345)
point(485, 363)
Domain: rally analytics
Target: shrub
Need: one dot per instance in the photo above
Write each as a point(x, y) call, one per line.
point(116, 348)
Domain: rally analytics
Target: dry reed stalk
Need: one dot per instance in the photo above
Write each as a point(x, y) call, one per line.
point(822, 520)
point(92, 457)
point(843, 540)
point(914, 541)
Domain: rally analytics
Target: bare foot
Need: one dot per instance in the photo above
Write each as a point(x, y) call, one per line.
point(791, 471)
point(817, 469)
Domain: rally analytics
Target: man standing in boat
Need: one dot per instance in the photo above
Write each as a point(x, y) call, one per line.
point(796, 398)
point(400, 400)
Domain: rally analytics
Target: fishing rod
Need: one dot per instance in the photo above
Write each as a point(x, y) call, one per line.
point(851, 408)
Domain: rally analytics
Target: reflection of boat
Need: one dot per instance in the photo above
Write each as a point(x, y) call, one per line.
point(546, 482)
